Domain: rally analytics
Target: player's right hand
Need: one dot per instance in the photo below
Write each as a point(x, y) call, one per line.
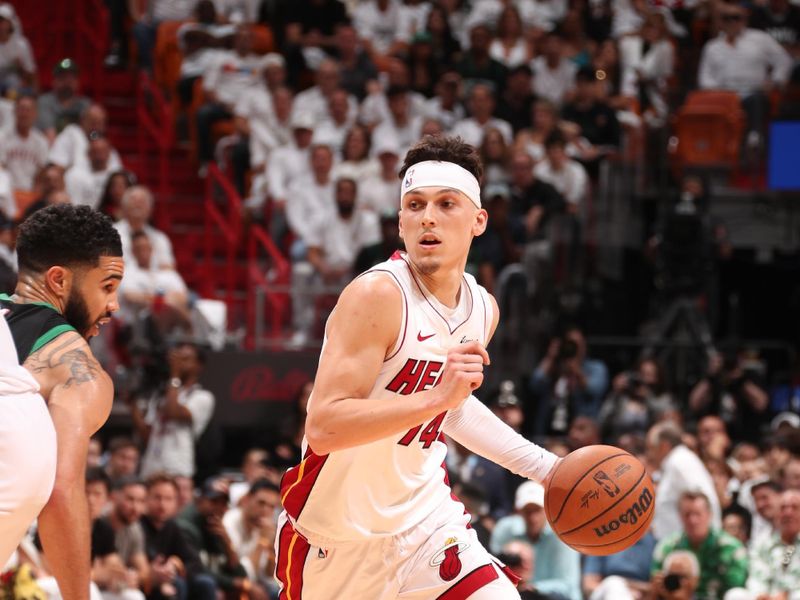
point(463, 374)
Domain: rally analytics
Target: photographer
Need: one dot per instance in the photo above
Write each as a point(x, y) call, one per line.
point(637, 399)
point(732, 389)
point(176, 417)
point(679, 579)
point(567, 383)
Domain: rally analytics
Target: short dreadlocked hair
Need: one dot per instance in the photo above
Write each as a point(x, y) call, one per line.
point(444, 149)
point(66, 235)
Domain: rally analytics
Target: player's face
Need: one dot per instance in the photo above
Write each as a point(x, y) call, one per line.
point(93, 296)
point(437, 226)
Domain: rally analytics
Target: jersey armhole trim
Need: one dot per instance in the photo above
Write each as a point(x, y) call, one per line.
point(398, 344)
point(49, 336)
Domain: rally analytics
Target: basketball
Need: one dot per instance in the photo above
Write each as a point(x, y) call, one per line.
point(600, 500)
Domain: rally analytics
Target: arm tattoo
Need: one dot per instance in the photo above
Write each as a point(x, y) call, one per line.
point(82, 367)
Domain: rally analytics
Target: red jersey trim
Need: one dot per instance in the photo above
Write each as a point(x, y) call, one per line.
point(470, 583)
point(297, 483)
point(292, 553)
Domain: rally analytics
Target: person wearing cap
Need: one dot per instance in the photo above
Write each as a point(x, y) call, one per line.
point(558, 567)
point(201, 522)
point(17, 65)
point(377, 192)
point(63, 105)
point(404, 350)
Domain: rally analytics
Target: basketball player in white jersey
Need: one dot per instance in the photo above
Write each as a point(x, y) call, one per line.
point(368, 514)
point(27, 448)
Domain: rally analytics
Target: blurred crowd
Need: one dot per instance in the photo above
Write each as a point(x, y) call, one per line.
point(321, 99)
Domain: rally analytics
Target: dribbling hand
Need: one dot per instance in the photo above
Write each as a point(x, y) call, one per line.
point(463, 374)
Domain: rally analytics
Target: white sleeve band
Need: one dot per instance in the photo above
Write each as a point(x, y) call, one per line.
point(477, 428)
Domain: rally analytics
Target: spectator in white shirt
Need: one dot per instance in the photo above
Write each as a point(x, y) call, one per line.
point(647, 60)
point(161, 291)
point(17, 66)
point(376, 22)
point(401, 125)
point(268, 132)
point(566, 175)
point(375, 107)
point(177, 417)
point(314, 100)
point(379, 193)
point(8, 205)
point(251, 529)
point(85, 182)
point(357, 162)
point(310, 197)
point(481, 106)
point(137, 208)
point(334, 128)
point(510, 46)
point(412, 18)
point(553, 73)
point(231, 75)
point(746, 61)
point(71, 145)
point(24, 150)
point(446, 105)
point(286, 164)
point(334, 240)
point(681, 470)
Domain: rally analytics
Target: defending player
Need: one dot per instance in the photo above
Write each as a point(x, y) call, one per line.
point(369, 513)
point(70, 266)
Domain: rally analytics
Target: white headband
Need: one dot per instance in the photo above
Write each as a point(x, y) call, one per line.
point(434, 173)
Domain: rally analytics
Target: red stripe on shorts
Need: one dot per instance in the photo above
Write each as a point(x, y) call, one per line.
point(297, 483)
point(470, 583)
point(292, 553)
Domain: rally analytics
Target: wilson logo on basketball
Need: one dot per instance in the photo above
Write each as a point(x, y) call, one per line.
point(603, 480)
point(447, 559)
point(630, 516)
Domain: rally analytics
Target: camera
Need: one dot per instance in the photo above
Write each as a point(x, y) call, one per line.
point(510, 559)
point(672, 582)
point(567, 350)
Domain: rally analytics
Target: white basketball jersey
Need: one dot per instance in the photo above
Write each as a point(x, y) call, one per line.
point(390, 485)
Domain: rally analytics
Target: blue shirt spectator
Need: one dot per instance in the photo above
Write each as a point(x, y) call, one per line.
point(632, 566)
point(558, 567)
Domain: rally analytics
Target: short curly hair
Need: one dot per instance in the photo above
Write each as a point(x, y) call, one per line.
point(445, 149)
point(66, 235)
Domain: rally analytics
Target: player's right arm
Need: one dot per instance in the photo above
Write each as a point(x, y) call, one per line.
point(79, 395)
point(361, 331)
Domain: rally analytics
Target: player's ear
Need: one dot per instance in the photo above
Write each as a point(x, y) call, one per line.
point(59, 280)
point(481, 220)
point(400, 223)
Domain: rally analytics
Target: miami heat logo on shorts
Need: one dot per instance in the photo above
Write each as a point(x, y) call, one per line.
point(447, 559)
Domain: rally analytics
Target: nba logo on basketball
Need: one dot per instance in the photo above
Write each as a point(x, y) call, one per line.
point(604, 481)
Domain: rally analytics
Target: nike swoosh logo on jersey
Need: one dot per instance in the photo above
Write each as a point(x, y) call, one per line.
point(422, 338)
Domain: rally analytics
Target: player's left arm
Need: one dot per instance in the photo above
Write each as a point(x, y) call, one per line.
point(79, 402)
point(477, 428)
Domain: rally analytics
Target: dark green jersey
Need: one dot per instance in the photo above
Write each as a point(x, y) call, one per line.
point(32, 325)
